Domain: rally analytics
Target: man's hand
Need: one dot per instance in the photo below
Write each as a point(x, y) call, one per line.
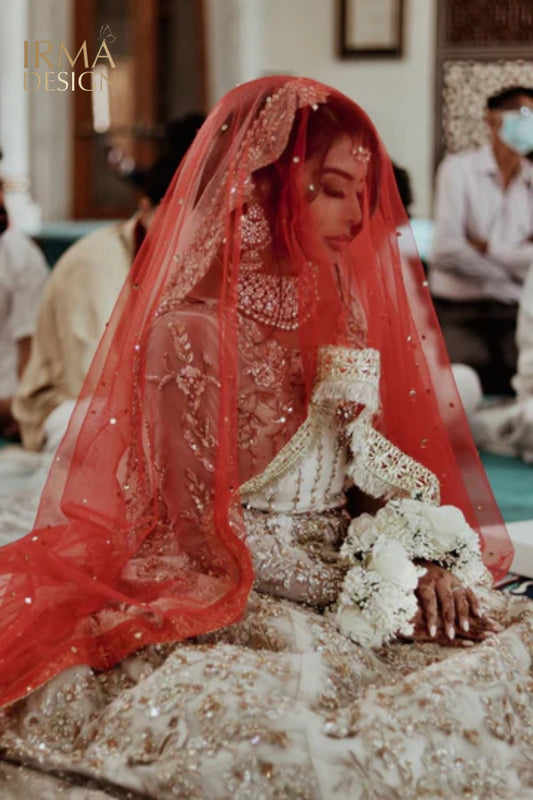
point(478, 244)
point(8, 426)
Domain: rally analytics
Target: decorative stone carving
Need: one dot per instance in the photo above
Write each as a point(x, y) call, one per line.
point(466, 85)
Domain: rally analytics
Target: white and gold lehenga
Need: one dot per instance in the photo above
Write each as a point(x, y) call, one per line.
point(280, 704)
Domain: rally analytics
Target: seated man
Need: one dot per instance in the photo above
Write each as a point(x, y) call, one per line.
point(507, 428)
point(77, 303)
point(483, 242)
point(23, 273)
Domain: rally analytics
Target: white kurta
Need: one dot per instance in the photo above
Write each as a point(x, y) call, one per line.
point(23, 273)
point(77, 303)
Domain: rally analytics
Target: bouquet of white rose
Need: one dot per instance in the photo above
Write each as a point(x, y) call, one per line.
point(377, 599)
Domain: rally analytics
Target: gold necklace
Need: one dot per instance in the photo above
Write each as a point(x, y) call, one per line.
point(274, 300)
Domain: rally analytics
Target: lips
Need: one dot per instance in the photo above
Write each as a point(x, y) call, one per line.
point(338, 242)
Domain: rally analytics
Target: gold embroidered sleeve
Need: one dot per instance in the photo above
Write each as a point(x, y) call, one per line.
point(296, 555)
point(377, 466)
point(183, 398)
point(349, 379)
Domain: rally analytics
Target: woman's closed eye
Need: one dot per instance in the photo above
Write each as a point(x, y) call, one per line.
point(333, 191)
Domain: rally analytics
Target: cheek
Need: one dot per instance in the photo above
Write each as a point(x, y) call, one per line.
point(320, 213)
point(315, 228)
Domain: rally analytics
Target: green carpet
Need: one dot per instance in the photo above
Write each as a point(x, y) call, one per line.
point(512, 484)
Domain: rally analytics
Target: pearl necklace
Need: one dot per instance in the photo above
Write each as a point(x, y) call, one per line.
point(274, 300)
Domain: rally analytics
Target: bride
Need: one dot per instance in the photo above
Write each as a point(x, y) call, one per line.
point(261, 565)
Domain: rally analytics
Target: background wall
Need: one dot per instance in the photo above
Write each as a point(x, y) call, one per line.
point(249, 38)
point(299, 36)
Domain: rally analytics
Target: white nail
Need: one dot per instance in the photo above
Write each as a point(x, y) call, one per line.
point(451, 632)
point(432, 631)
point(465, 625)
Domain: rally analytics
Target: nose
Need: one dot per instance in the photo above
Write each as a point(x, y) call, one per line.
point(354, 214)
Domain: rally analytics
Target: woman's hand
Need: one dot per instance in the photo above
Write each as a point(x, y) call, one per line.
point(448, 612)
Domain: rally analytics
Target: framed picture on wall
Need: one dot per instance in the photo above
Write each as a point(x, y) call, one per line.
point(371, 28)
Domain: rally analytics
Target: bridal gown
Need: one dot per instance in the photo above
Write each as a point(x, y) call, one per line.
point(281, 704)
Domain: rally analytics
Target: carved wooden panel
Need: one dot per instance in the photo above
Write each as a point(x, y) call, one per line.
point(489, 22)
point(159, 75)
point(466, 85)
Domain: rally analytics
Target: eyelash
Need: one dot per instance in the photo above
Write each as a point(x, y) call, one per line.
point(338, 193)
point(329, 192)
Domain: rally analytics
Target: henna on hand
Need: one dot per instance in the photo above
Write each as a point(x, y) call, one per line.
point(448, 611)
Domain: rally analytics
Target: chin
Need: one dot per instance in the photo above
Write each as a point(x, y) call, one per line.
point(324, 256)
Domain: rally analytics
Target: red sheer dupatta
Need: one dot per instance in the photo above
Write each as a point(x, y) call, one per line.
point(139, 536)
point(421, 410)
point(123, 553)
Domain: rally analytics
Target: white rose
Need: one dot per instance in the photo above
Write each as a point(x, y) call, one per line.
point(447, 524)
point(363, 532)
point(353, 624)
point(389, 520)
point(365, 524)
point(392, 563)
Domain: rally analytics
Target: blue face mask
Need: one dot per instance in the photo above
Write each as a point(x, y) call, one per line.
point(516, 130)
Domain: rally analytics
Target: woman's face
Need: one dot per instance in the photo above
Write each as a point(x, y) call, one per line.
point(335, 209)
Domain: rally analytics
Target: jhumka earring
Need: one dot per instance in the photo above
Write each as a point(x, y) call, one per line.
point(255, 237)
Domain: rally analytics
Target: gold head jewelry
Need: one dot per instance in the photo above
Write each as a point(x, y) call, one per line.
point(361, 153)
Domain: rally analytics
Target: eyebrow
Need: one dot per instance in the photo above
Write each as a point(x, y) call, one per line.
point(339, 172)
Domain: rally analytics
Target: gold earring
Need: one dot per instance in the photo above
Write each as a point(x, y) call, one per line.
point(255, 237)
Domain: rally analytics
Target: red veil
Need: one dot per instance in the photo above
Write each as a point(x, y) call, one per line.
point(139, 536)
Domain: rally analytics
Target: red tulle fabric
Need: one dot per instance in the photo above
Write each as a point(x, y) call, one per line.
point(139, 537)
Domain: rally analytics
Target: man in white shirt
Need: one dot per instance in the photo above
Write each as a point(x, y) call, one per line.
point(78, 301)
point(483, 242)
point(23, 273)
point(505, 427)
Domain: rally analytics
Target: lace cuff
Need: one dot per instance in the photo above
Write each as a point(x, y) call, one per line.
point(381, 469)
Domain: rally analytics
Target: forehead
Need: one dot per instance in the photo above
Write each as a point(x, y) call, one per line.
point(340, 156)
point(518, 102)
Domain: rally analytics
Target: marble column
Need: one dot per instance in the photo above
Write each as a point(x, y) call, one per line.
point(14, 117)
point(51, 130)
point(234, 43)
